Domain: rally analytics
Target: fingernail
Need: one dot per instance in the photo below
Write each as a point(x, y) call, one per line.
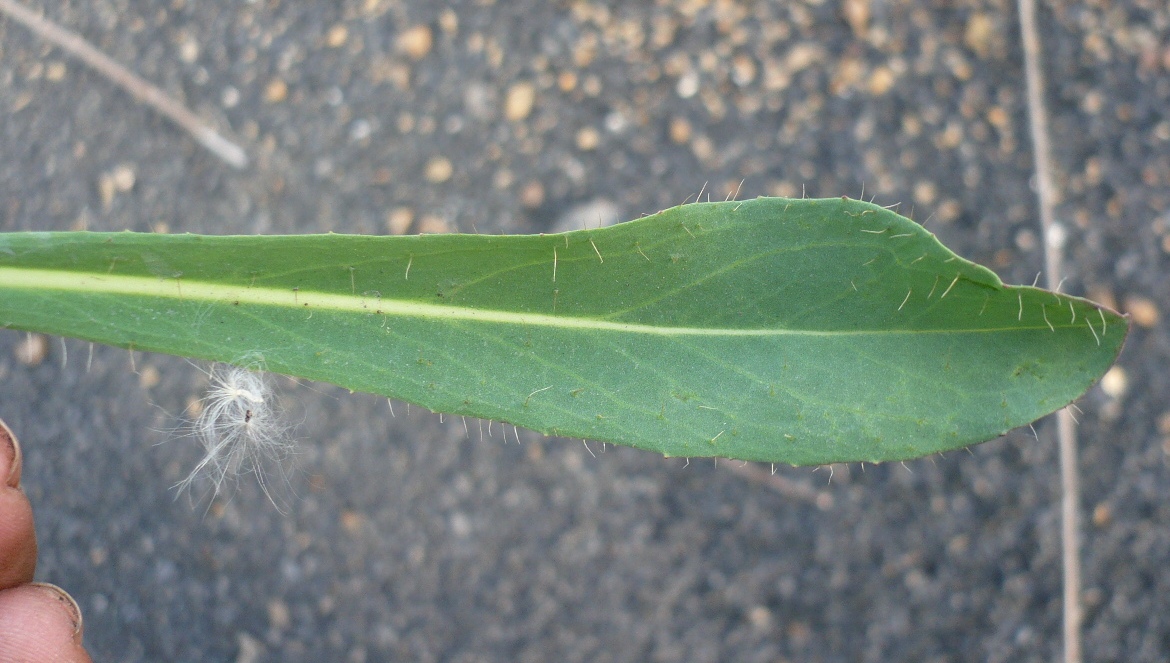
point(10, 449)
point(67, 602)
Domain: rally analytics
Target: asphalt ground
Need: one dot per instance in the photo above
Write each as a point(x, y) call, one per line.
point(406, 539)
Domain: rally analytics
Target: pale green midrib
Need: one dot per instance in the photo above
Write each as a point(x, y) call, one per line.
point(15, 278)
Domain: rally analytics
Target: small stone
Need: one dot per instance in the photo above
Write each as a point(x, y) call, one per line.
point(373, 8)
point(662, 31)
point(783, 189)
point(389, 69)
point(230, 97)
point(680, 131)
point(21, 101)
point(250, 649)
point(950, 137)
point(503, 179)
point(1092, 102)
point(703, 148)
point(55, 71)
point(532, 195)
point(597, 213)
point(998, 117)
point(592, 85)
point(106, 190)
point(406, 123)
point(616, 122)
point(148, 377)
point(960, 68)
point(278, 614)
point(1143, 311)
point(337, 36)
point(98, 555)
point(449, 21)
point(416, 42)
point(351, 521)
point(382, 176)
point(433, 225)
point(802, 56)
point(194, 407)
point(949, 210)
point(519, 101)
point(123, 178)
point(1115, 383)
point(760, 617)
point(1026, 240)
point(588, 139)
point(360, 130)
point(438, 170)
point(567, 81)
point(323, 168)
point(688, 85)
point(848, 75)
point(399, 220)
point(857, 16)
point(276, 91)
point(881, 81)
point(461, 525)
point(1102, 515)
point(743, 70)
point(32, 350)
point(188, 49)
point(585, 50)
point(979, 34)
point(925, 193)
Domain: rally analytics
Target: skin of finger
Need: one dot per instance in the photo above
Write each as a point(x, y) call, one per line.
point(10, 456)
point(18, 542)
point(36, 625)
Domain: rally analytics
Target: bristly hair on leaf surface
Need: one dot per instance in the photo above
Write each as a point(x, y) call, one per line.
point(242, 429)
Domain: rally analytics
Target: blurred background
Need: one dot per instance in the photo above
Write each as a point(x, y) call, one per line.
point(409, 541)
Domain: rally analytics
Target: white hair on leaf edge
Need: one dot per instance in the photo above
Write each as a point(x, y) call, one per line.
point(241, 428)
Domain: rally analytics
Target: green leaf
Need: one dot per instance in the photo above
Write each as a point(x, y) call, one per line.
point(797, 331)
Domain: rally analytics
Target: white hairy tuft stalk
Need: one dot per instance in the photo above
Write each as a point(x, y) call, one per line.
point(241, 429)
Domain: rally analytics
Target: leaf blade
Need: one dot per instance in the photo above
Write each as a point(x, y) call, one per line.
point(805, 331)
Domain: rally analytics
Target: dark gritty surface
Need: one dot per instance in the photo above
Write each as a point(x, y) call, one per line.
point(409, 541)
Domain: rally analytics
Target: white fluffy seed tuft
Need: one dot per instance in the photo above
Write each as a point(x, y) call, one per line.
point(241, 428)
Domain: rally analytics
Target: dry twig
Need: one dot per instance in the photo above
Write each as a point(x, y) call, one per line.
point(138, 88)
point(797, 490)
point(1053, 259)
